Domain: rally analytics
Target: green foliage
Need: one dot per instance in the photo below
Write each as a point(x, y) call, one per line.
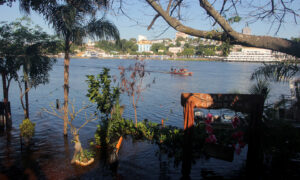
point(188, 52)
point(169, 139)
point(101, 92)
point(27, 128)
point(124, 46)
point(206, 50)
point(261, 87)
point(234, 19)
point(180, 38)
point(24, 45)
point(85, 156)
point(72, 22)
point(158, 46)
point(295, 39)
point(279, 71)
point(225, 48)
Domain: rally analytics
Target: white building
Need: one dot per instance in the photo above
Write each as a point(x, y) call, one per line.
point(252, 54)
point(240, 53)
point(143, 44)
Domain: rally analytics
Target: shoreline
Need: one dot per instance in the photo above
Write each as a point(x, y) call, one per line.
point(221, 59)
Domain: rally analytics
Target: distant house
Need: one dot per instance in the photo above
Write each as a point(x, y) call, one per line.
point(181, 34)
point(156, 41)
point(144, 46)
point(175, 50)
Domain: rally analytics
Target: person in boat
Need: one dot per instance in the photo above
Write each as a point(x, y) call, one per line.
point(172, 69)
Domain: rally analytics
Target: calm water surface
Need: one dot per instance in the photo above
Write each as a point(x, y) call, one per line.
point(50, 154)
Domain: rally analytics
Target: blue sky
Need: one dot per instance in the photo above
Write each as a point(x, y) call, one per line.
point(141, 15)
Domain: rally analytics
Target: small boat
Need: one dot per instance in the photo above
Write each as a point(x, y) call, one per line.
point(181, 71)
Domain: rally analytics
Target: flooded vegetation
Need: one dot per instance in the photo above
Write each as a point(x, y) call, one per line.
point(150, 149)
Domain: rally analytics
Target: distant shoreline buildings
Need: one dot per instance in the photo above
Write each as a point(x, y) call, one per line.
point(143, 44)
point(174, 48)
point(251, 54)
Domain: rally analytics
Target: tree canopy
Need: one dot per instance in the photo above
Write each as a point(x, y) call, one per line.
point(21, 44)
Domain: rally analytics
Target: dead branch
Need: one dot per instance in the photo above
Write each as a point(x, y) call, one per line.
point(73, 114)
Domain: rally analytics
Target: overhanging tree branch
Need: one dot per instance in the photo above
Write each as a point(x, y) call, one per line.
point(267, 42)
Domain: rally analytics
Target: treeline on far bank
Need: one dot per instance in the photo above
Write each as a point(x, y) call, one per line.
point(189, 47)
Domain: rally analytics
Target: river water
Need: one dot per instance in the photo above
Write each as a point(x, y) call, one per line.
point(50, 154)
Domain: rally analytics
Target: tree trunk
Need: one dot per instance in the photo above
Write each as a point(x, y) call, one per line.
point(5, 92)
point(77, 147)
point(134, 107)
point(66, 84)
point(26, 100)
point(5, 100)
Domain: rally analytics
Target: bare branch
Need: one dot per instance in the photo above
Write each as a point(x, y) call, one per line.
point(175, 6)
point(152, 22)
point(169, 5)
point(165, 30)
point(223, 5)
point(53, 112)
point(73, 114)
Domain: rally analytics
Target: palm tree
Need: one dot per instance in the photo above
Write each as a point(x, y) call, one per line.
point(279, 71)
point(72, 25)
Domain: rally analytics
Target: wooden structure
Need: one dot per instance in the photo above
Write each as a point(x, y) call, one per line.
point(245, 103)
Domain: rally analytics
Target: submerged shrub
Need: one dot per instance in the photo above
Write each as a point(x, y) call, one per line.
point(27, 128)
point(85, 156)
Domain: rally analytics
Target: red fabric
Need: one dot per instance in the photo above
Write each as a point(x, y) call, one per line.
point(193, 100)
point(189, 114)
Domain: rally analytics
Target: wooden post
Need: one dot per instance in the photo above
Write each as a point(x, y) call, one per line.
point(57, 104)
point(255, 157)
point(187, 153)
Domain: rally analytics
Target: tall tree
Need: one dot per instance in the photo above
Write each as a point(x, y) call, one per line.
point(26, 47)
point(275, 11)
point(73, 24)
point(73, 20)
point(8, 65)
